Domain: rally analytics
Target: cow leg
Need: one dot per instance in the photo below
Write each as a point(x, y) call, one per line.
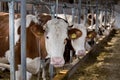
point(18, 77)
point(4, 66)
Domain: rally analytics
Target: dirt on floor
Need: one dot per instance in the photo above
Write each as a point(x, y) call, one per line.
point(106, 66)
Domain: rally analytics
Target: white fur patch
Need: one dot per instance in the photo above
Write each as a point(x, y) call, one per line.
point(56, 33)
point(7, 55)
point(3, 60)
point(79, 44)
point(33, 65)
point(17, 25)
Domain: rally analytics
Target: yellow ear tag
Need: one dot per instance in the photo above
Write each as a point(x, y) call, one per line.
point(90, 35)
point(38, 33)
point(73, 36)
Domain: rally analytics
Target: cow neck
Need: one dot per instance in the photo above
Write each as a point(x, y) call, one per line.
point(38, 34)
point(4, 26)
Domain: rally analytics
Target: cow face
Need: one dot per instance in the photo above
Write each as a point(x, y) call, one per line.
point(78, 38)
point(55, 36)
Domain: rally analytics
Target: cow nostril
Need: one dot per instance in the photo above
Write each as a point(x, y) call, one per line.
point(81, 53)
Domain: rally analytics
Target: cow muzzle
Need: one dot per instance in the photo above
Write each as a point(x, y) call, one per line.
point(81, 53)
point(57, 61)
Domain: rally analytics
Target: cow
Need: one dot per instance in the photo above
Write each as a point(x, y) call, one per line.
point(78, 35)
point(45, 41)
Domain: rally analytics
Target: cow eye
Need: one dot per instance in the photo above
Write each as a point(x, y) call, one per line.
point(47, 37)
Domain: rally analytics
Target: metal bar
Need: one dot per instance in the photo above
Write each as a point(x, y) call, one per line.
point(86, 12)
point(71, 55)
point(56, 7)
point(11, 40)
point(96, 16)
point(105, 12)
point(73, 15)
point(23, 39)
point(79, 11)
point(0, 6)
point(51, 70)
point(53, 11)
point(92, 11)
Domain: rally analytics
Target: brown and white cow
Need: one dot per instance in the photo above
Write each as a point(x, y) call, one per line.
point(52, 39)
point(78, 35)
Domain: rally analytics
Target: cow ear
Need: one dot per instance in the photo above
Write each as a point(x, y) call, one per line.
point(91, 34)
point(35, 32)
point(74, 33)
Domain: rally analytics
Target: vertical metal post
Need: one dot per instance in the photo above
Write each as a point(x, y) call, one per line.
point(11, 40)
point(23, 39)
point(73, 15)
point(105, 12)
point(96, 29)
point(51, 71)
point(56, 7)
point(113, 8)
point(92, 11)
point(86, 12)
point(79, 11)
point(53, 11)
point(71, 55)
point(0, 6)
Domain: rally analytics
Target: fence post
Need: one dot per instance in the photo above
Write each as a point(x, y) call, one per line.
point(11, 40)
point(23, 39)
point(79, 11)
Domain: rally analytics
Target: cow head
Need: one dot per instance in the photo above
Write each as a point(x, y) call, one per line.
point(77, 34)
point(91, 19)
point(55, 37)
